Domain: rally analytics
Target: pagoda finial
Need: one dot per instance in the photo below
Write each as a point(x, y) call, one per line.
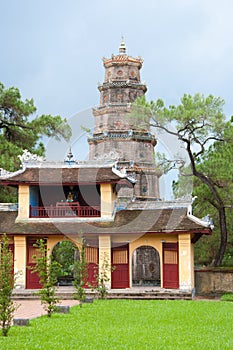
point(122, 47)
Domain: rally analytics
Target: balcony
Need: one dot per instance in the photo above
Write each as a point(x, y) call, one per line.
point(64, 210)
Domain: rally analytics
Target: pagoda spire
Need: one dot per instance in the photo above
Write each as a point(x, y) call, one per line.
point(122, 47)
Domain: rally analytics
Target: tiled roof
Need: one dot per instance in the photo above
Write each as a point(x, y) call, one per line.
point(63, 175)
point(126, 221)
point(122, 59)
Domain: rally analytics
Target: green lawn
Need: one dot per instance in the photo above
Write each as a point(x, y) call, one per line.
point(130, 324)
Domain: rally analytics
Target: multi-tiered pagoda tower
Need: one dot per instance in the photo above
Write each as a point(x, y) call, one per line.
point(117, 134)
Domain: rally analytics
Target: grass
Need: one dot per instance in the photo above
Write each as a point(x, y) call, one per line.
point(227, 297)
point(130, 324)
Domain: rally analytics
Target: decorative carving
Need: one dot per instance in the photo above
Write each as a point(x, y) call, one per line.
point(4, 173)
point(111, 155)
point(28, 157)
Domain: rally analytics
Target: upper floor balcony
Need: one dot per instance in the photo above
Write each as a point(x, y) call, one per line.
point(64, 209)
point(64, 201)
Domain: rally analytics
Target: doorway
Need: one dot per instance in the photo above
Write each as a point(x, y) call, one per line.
point(146, 267)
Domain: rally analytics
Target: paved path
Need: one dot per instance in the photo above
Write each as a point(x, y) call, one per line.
point(32, 308)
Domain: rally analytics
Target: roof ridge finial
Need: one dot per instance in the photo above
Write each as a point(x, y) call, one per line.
point(69, 158)
point(122, 47)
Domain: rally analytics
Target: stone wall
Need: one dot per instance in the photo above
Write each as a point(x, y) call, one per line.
point(213, 281)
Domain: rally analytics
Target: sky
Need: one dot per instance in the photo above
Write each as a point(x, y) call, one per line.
point(52, 50)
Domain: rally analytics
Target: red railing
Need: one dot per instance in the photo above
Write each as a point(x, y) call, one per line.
point(65, 210)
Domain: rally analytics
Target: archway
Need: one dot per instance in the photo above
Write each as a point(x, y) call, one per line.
point(146, 267)
point(65, 253)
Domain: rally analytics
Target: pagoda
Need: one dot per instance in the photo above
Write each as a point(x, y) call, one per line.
point(117, 133)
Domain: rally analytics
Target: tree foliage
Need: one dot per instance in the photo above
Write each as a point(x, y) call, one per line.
point(7, 282)
point(64, 253)
point(199, 122)
point(21, 129)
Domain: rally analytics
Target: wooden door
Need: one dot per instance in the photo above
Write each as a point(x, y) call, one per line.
point(32, 279)
point(120, 264)
point(170, 265)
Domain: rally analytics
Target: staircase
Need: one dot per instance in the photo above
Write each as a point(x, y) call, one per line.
point(136, 293)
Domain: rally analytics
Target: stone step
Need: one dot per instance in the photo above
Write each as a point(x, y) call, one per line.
point(134, 295)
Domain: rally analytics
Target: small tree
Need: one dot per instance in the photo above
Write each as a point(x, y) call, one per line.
point(7, 282)
point(102, 277)
point(81, 274)
point(47, 270)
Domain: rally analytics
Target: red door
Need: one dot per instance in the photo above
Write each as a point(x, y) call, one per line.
point(170, 266)
point(91, 254)
point(32, 279)
point(120, 264)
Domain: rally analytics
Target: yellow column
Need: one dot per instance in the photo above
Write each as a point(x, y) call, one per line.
point(20, 257)
point(105, 256)
point(107, 201)
point(186, 273)
point(23, 200)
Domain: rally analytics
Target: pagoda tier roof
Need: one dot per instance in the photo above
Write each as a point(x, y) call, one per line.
point(122, 59)
point(130, 222)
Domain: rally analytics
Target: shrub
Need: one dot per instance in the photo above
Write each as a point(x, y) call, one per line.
point(48, 270)
point(81, 275)
point(227, 297)
point(7, 283)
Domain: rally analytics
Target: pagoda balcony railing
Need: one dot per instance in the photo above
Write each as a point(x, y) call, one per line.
point(64, 210)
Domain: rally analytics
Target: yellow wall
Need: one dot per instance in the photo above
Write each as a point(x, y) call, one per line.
point(20, 255)
point(105, 255)
point(52, 241)
point(186, 255)
point(186, 273)
point(23, 200)
point(107, 200)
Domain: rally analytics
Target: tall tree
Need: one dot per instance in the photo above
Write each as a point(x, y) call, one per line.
point(199, 122)
point(21, 129)
point(217, 164)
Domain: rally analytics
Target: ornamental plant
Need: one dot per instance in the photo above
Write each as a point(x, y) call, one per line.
point(102, 277)
point(80, 275)
point(48, 270)
point(7, 283)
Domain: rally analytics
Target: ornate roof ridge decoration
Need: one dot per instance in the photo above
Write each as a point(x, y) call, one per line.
point(122, 59)
point(207, 221)
point(122, 173)
point(5, 174)
point(28, 158)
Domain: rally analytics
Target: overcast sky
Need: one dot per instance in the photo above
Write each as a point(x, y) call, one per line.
point(52, 51)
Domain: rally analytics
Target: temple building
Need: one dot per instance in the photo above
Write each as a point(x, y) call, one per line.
point(112, 200)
